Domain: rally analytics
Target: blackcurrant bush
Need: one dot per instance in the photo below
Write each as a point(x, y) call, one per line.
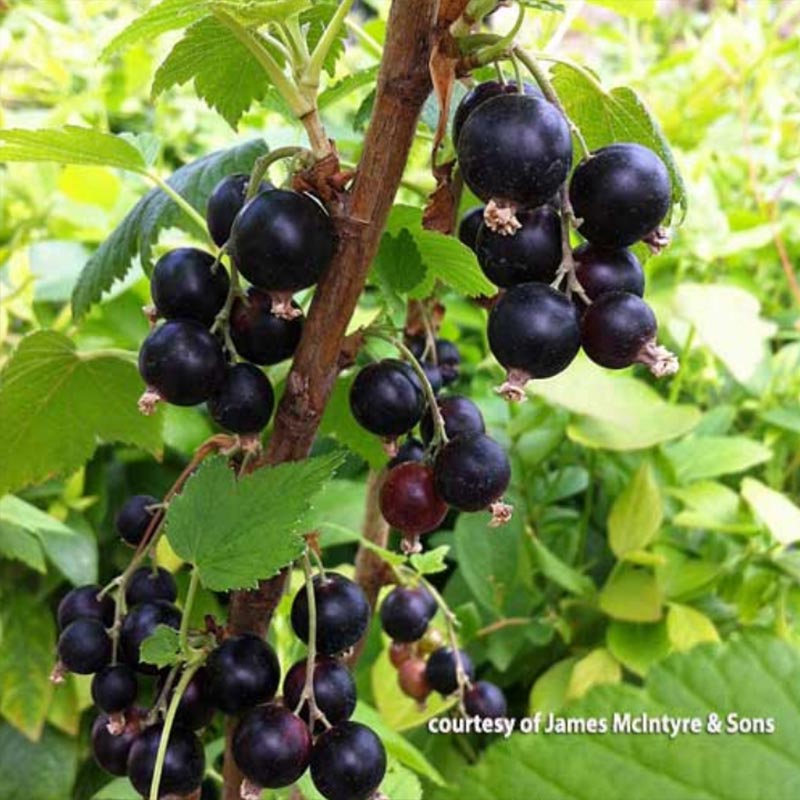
point(480, 94)
point(84, 647)
point(412, 680)
point(441, 673)
point(184, 762)
point(406, 613)
point(282, 241)
point(601, 270)
point(460, 416)
point(196, 707)
point(187, 284)
point(243, 402)
point(259, 335)
point(342, 613)
point(272, 746)
point(348, 762)
point(411, 450)
point(408, 499)
point(484, 699)
point(334, 689)
point(533, 253)
point(448, 359)
point(85, 601)
point(471, 472)
point(182, 361)
point(225, 202)
point(386, 398)
point(147, 584)
point(110, 750)
point(114, 688)
point(469, 226)
point(133, 518)
point(242, 672)
point(139, 623)
point(620, 193)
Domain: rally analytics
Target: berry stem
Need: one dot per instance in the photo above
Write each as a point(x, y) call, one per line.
point(263, 163)
point(310, 79)
point(191, 592)
point(184, 204)
point(567, 267)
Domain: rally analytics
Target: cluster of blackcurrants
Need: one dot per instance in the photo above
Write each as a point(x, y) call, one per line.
point(515, 153)
point(281, 241)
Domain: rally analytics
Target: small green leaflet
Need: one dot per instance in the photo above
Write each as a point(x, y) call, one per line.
point(398, 262)
point(346, 86)
point(636, 515)
point(236, 533)
point(162, 647)
point(431, 561)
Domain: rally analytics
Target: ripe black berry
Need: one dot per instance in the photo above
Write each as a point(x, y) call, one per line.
point(196, 707)
point(259, 335)
point(225, 202)
point(342, 613)
point(84, 601)
point(602, 270)
point(242, 672)
point(334, 689)
point(480, 94)
point(114, 688)
point(186, 284)
point(133, 518)
point(448, 359)
point(182, 361)
point(111, 751)
point(386, 398)
point(408, 499)
point(243, 402)
point(471, 472)
point(460, 416)
point(184, 762)
point(406, 613)
point(84, 646)
point(272, 747)
point(348, 762)
point(411, 450)
point(282, 241)
point(469, 226)
point(147, 584)
point(621, 193)
point(484, 699)
point(139, 623)
point(440, 670)
point(434, 376)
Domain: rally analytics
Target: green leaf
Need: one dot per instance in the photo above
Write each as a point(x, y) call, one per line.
point(139, 231)
point(237, 532)
point(703, 457)
point(688, 627)
point(346, 86)
point(778, 513)
point(787, 418)
point(431, 561)
point(18, 544)
point(638, 645)
point(712, 505)
point(631, 594)
point(595, 669)
point(549, 693)
point(636, 514)
point(162, 647)
point(640, 9)
point(398, 262)
point(118, 789)
point(56, 404)
point(560, 572)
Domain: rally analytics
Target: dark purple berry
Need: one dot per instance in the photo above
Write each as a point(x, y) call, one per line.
point(114, 688)
point(411, 450)
point(243, 402)
point(196, 707)
point(440, 670)
point(84, 647)
point(184, 762)
point(85, 601)
point(460, 416)
point(260, 336)
point(480, 94)
point(448, 359)
point(484, 699)
point(140, 622)
point(434, 376)
point(469, 226)
point(225, 202)
point(406, 613)
point(602, 270)
point(133, 518)
point(408, 499)
point(147, 584)
point(334, 689)
point(111, 751)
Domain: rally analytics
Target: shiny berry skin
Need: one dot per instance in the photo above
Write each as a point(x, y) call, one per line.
point(484, 699)
point(406, 613)
point(411, 679)
point(533, 253)
point(408, 499)
point(411, 450)
point(139, 623)
point(271, 746)
point(225, 202)
point(84, 601)
point(434, 376)
point(114, 688)
point(146, 585)
point(515, 148)
point(348, 762)
point(469, 226)
point(386, 398)
point(196, 708)
point(602, 270)
point(187, 285)
point(282, 241)
point(471, 472)
point(84, 647)
point(440, 670)
point(621, 193)
point(242, 672)
point(480, 94)
point(448, 359)
point(244, 401)
point(110, 751)
point(184, 762)
point(399, 653)
point(258, 335)
point(133, 518)
point(342, 613)
point(334, 689)
point(182, 361)
point(534, 329)
point(460, 416)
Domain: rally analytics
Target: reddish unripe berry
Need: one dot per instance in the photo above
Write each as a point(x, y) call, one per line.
point(409, 501)
point(412, 680)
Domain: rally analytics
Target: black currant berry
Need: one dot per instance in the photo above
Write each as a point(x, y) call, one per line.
point(602, 270)
point(243, 402)
point(196, 707)
point(147, 584)
point(259, 335)
point(484, 699)
point(411, 450)
point(348, 762)
point(184, 762)
point(85, 601)
point(411, 679)
point(460, 416)
point(533, 253)
point(242, 672)
point(272, 747)
point(440, 670)
point(448, 359)
point(480, 94)
point(114, 688)
point(84, 647)
point(334, 689)
point(139, 623)
point(186, 284)
point(386, 398)
point(469, 226)
point(282, 241)
point(133, 518)
point(471, 472)
point(225, 202)
point(111, 751)
point(434, 376)
point(408, 499)
point(406, 613)
point(342, 613)
point(620, 193)
point(182, 361)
